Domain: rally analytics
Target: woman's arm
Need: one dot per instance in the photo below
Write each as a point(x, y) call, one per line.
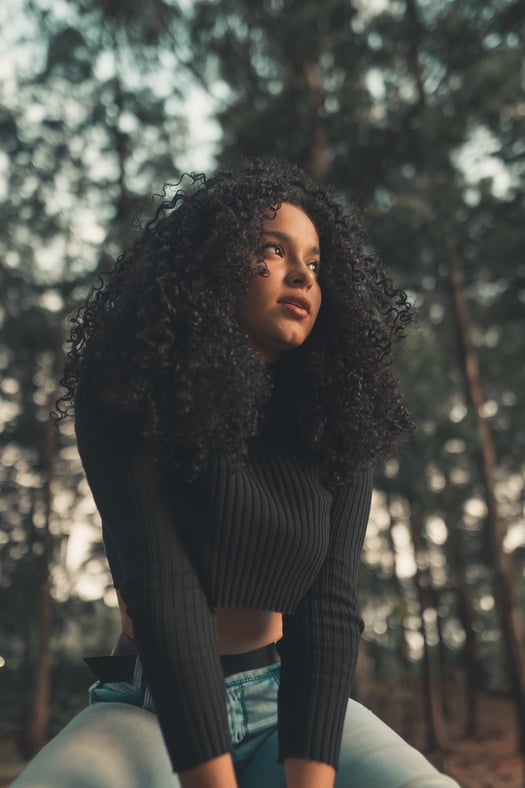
point(321, 639)
point(308, 774)
point(174, 625)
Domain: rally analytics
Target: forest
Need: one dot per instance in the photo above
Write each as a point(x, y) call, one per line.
point(415, 111)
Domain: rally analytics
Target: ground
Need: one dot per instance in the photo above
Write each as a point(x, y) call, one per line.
point(487, 761)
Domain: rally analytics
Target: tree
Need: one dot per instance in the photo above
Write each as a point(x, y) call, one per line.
point(91, 121)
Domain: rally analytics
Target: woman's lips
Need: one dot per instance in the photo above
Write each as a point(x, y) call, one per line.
point(296, 305)
point(295, 309)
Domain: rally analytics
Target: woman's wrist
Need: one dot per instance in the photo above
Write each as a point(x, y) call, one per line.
point(216, 773)
point(301, 773)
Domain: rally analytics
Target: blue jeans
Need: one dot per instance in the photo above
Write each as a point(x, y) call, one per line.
point(117, 741)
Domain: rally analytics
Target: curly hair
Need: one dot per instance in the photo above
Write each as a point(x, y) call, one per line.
point(159, 341)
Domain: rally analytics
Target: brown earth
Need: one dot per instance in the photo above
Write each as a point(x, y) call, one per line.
point(489, 759)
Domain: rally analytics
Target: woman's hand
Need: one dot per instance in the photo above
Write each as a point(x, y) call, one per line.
point(216, 773)
point(301, 773)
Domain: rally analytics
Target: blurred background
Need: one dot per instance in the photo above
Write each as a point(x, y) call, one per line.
point(415, 110)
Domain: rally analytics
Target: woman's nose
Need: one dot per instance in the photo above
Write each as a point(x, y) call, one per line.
point(300, 275)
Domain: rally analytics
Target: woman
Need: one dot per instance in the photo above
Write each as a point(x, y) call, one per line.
point(233, 386)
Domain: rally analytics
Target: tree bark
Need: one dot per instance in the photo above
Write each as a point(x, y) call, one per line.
point(406, 683)
point(36, 729)
point(442, 654)
point(470, 656)
point(471, 659)
point(422, 587)
point(316, 158)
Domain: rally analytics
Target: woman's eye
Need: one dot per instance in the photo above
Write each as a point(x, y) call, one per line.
point(314, 265)
point(274, 249)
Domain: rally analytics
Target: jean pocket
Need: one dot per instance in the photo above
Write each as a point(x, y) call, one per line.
point(116, 692)
point(260, 703)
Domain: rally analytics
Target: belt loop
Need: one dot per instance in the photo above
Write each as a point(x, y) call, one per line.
point(140, 683)
point(148, 700)
point(137, 673)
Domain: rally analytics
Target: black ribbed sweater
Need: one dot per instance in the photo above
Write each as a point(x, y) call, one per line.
point(267, 535)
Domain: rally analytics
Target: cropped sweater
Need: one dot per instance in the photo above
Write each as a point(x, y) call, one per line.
point(266, 535)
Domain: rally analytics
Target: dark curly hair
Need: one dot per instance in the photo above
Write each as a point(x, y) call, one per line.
point(159, 341)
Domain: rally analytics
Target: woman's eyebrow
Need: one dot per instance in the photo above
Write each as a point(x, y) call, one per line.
point(286, 237)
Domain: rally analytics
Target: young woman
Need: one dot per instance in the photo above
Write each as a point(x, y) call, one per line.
point(233, 386)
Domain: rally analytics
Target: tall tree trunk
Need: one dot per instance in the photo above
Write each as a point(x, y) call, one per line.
point(316, 155)
point(121, 220)
point(36, 729)
point(504, 588)
point(407, 685)
point(471, 661)
point(422, 587)
point(442, 654)
point(470, 654)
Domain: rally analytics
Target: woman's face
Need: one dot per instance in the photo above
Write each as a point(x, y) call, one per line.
point(281, 306)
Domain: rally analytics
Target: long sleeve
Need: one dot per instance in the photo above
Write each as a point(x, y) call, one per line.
point(321, 639)
point(173, 622)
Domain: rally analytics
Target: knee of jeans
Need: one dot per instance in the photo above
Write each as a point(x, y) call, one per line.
point(431, 781)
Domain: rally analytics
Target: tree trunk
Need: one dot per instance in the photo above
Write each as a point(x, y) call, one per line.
point(442, 654)
point(406, 684)
point(471, 661)
point(316, 156)
point(470, 655)
point(422, 586)
point(35, 734)
point(504, 589)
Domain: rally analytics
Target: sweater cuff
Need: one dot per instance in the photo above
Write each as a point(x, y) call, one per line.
point(311, 722)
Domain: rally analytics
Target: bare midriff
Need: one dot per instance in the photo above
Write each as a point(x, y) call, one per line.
point(243, 629)
point(238, 629)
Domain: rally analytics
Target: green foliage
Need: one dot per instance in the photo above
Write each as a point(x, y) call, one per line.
point(90, 124)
